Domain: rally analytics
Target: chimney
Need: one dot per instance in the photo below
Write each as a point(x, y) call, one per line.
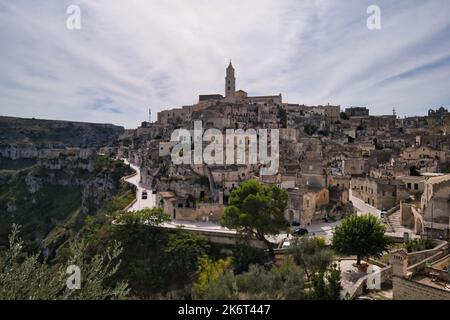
point(399, 262)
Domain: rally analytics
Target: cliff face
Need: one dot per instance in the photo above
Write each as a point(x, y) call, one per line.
point(42, 199)
point(32, 134)
point(52, 175)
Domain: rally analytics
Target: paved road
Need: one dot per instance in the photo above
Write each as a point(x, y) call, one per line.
point(140, 204)
point(362, 207)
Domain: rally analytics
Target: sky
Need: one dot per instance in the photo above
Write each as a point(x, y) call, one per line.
point(129, 56)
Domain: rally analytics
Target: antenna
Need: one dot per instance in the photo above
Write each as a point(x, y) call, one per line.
point(150, 115)
point(394, 113)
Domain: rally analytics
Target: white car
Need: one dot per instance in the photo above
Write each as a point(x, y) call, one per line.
point(286, 244)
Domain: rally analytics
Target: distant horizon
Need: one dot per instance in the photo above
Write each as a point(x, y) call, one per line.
point(121, 61)
point(155, 120)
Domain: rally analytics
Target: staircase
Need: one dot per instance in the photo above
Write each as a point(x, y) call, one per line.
point(212, 184)
point(394, 223)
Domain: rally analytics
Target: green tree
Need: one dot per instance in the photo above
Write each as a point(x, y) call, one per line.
point(208, 273)
point(24, 277)
point(326, 284)
point(362, 236)
point(257, 210)
point(245, 255)
point(284, 282)
point(312, 255)
point(155, 260)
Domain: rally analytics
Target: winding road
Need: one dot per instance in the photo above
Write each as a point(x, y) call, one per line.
point(135, 180)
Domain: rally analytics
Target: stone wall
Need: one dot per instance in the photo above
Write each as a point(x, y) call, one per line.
point(361, 285)
point(405, 289)
point(211, 211)
point(416, 257)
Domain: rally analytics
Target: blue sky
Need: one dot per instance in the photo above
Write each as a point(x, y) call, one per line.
point(129, 56)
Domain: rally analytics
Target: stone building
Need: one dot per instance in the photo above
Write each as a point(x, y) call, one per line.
point(357, 112)
point(355, 166)
point(435, 207)
point(305, 203)
point(379, 193)
point(421, 156)
point(421, 275)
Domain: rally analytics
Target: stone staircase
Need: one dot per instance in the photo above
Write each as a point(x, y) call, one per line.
point(394, 222)
point(395, 225)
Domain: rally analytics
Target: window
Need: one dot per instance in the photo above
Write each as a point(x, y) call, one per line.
point(416, 186)
point(409, 185)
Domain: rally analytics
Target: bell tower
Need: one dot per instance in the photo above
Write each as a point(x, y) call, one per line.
point(230, 82)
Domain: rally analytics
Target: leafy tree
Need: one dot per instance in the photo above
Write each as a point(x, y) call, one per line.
point(26, 277)
point(184, 248)
point(245, 255)
point(362, 236)
point(312, 255)
point(208, 273)
point(224, 288)
point(420, 244)
point(256, 209)
point(326, 284)
point(284, 282)
point(155, 260)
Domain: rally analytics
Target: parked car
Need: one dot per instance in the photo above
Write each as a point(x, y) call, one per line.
point(286, 244)
point(295, 224)
point(299, 232)
point(383, 212)
point(144, 194)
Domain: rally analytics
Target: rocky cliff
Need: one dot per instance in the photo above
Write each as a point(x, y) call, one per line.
point(32, 134)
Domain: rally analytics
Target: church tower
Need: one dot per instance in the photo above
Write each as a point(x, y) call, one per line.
point(230, 82)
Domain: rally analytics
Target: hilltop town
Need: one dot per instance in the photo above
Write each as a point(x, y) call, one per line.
point(68, 180)
point(330, 159)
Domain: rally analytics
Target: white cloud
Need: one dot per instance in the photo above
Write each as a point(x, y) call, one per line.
point(128, 57)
